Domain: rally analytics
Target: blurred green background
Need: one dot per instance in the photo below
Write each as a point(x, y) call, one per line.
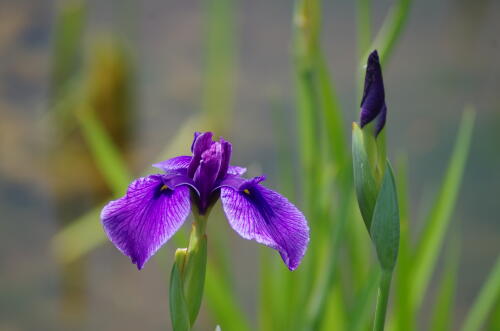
point(149, 68)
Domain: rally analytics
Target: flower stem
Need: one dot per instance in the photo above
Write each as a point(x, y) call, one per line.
point(382, 300)
point(188, 277)
point(197, 231)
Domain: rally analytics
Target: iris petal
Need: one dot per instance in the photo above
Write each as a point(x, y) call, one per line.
point(202, 142)
point(258, 213)
point(144, 219)
point(235, 170)
point(226, 157)
point(174, 164)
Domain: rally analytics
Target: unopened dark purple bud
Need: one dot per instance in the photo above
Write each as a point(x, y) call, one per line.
point(373, 103)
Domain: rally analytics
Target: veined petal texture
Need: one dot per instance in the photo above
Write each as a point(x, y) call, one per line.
point(144, 219)
point(258, 213)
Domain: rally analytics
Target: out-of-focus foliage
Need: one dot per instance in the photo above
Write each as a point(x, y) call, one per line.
point(326, 292)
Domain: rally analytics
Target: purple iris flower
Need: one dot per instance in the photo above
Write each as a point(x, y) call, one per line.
point(156, 206)
point(373, 103)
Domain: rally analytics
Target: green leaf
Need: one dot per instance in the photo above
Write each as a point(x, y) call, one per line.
point(335, 306)
point(442, 318)
point(364, 181)
point(332, 113)
point(178, 308)
point(194, 278)
point(483, 305)
point(363, 302)
point(363, 25)
point(103, 150)
point(79, 237)
point(67, 43)
point(385, 223)
point(402, 312)
point(391, 29)
point(431, 240)
point(225, 309)
point(219, 63)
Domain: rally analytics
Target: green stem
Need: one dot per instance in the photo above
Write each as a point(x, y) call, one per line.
point(188, 276)
point(197, 231)
point(382, 300)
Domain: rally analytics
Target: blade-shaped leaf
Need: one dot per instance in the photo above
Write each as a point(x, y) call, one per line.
point(178, 308)
point(431, 240)
point(384, 229)
point(488, 296)
point(225, 309)
point(363, 302)
point(194, 278)
point(442, 318)
point(364, 181)
point(105, 153)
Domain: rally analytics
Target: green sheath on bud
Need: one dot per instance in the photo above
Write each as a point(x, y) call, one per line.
point(364, 173)
point(376, 192)
point(384, 228)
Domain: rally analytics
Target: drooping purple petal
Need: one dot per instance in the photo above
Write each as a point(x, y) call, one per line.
point(258, 213)
point(202, 142)
point(174, 164)
point(373, 101)
point(144, 219)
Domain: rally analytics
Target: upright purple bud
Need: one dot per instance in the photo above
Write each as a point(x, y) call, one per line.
point(226, 158)
point(196, 135)
point(206, 174)
point(373, 103)
point(201, 142)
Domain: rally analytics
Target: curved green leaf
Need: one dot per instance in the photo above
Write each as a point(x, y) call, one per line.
point(384, 229)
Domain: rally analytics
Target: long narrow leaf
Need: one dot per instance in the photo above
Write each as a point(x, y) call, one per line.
point(106, 155)
point(432, 238)
point(363, 302)
point(489, 295)
point(391, 29)
point(331, 112)
point(221, 302)
point(402, 313)
point(79, 237)
point(442, 318)
point(218, 78)
point(363, 22)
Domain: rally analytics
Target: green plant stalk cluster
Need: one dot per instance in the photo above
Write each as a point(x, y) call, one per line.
point(329, 291)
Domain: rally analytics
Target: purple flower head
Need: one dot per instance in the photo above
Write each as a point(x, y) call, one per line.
point(156, 206)
point(373, 103)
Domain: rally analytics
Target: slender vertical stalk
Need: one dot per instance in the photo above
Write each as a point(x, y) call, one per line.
point(197, 231)
point(382, 300)
point(187, 279)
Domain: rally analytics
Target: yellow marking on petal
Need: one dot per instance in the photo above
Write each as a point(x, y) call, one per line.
point(246, 191)
point(164, 187)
